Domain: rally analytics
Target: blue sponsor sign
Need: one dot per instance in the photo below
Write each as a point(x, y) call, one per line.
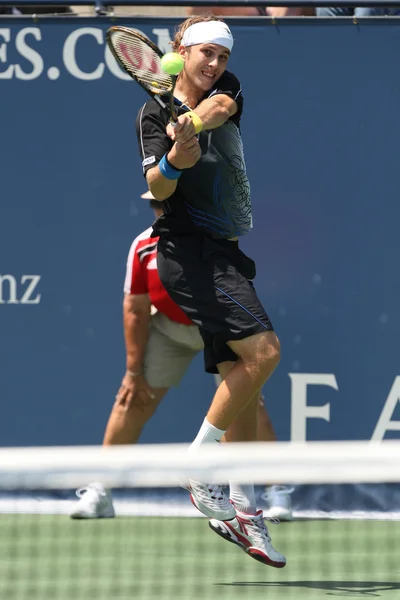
point(321, 135)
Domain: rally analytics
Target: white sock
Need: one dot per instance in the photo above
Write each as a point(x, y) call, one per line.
point(208, 434)
point(243, 497)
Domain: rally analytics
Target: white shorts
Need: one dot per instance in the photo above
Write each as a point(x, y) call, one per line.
point(170, 349)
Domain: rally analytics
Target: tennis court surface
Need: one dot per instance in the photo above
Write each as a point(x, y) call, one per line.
point(51, 557)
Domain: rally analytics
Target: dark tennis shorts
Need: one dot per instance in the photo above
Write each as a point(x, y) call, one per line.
point(211, 281)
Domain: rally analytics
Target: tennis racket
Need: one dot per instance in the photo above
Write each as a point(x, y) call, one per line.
point(140, 58)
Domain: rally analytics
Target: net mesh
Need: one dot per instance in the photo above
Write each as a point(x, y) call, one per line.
point(160, 547)
point(140, 60)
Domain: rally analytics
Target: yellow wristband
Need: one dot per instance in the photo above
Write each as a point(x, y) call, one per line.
point(197, 122)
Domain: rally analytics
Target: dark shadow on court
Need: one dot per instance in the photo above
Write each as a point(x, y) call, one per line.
point(355, 589)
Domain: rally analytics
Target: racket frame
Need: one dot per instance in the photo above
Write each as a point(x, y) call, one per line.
point(143, 38)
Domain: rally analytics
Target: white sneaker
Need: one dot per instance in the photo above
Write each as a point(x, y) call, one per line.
point(280, 502)
point(95, 502)
point(250, 533)
point(211, 500)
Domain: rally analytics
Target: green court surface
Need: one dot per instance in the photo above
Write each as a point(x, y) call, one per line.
point(138, 558)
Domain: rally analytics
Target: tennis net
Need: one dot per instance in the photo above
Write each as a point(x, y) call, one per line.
point(158, 548)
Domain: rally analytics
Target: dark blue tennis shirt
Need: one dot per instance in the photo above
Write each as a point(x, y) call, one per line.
point(213, 197)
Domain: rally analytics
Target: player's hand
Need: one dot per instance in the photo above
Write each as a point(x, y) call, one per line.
point(181, 131)
point(134, 391)
point(184, 155)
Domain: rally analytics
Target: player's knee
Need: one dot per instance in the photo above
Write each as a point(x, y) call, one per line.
point(260, 354)
point(275, 352)
point(269, 353)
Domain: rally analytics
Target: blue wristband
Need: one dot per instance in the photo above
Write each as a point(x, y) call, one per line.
point(167, 169)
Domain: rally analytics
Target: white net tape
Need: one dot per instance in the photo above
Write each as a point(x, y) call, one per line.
point(171, 465)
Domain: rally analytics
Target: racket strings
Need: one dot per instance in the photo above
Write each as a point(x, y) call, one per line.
point(140, 60)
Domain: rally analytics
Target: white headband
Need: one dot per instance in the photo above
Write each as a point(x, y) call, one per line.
point(212, 32)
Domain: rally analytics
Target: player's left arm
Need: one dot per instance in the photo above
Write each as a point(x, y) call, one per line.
point(224, 102)
point(215, 111)
point(211, 113)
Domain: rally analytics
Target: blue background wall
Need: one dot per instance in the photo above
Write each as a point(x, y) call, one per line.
point(321, 132)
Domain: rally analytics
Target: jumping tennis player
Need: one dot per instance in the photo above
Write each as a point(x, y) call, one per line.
point(197, 169)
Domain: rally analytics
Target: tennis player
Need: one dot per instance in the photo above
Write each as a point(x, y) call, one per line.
point(160, 344)
point(197, 169)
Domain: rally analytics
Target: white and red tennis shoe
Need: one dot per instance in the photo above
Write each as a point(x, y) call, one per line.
point(250, 533)
point(211, 500)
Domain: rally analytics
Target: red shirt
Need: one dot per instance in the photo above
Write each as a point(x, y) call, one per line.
point(142, 277)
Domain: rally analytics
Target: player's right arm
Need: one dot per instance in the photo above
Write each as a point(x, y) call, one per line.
point(158, 150)
point(181, 156)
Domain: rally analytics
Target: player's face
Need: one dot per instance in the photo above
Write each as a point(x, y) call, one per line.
point(204, 64)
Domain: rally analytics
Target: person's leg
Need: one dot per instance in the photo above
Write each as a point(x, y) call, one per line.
point(125, 424)
point(212, 285)
point(277, 496)
point(252, 424)
point(265, 429)
point(233, 415)
point(258, 357)
point(248, 529)
point(165, 363)
point(243, 429)
point(124, 427)
point(170, 349)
